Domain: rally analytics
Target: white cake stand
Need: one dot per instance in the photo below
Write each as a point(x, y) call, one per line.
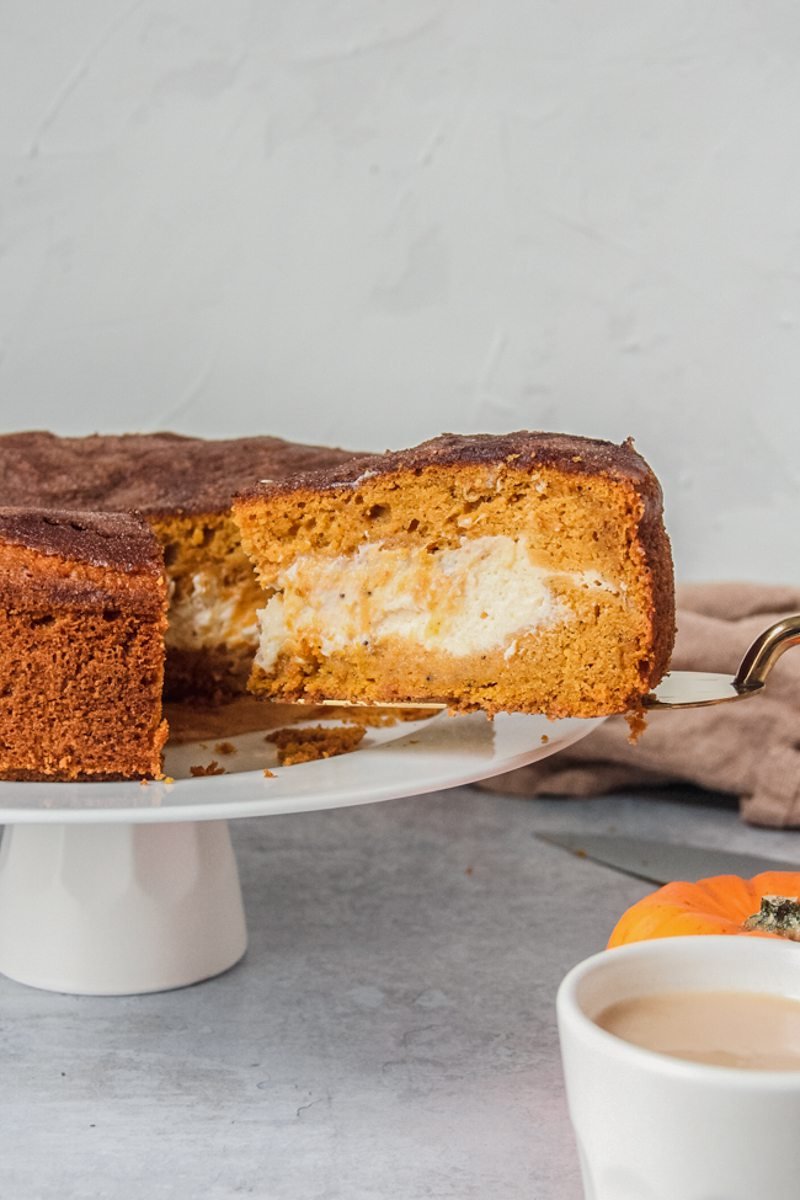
point(117, 888)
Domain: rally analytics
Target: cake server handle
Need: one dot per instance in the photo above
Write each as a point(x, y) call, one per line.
point(765, 651)
point(696, 689)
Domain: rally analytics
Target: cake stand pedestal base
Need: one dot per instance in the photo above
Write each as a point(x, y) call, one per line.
point(111, 909)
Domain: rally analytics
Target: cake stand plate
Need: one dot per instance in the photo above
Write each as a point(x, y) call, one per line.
point(119, 888)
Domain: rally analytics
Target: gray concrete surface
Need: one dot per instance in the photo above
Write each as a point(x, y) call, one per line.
point(390, 1033)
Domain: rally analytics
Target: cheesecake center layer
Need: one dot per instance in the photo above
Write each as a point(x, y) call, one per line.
point(473, 598)
point(204, 613)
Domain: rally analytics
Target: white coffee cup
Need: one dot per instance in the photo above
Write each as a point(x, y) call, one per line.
point(652, 1127)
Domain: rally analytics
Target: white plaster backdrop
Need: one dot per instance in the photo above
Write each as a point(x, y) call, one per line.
point(367, 221)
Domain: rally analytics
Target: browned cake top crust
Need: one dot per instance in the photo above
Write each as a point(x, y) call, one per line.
point(152, 473)
point(120, 541)
point(525, 448)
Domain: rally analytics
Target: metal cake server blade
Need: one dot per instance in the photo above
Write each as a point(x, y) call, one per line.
point(696, 689)
point(661, 862)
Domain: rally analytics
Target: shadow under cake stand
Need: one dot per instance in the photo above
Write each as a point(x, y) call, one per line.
point(119, 888)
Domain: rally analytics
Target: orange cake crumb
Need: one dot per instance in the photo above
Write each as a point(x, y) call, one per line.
point(213, 768)
point(317, 741)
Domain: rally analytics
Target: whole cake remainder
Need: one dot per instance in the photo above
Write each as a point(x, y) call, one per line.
point(529, 572)
point(82, 620)
point(183, 487)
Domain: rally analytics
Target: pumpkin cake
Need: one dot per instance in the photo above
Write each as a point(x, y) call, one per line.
point(529, 572)
point(183, 487)
point(83, 603)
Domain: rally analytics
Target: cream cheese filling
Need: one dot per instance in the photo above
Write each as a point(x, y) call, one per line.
point(478, 596)
point(207, 614)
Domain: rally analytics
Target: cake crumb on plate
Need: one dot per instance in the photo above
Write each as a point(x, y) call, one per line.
point(213, 768)
point(317, 741)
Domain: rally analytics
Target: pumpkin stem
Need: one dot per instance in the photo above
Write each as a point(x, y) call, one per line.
point(778, 914)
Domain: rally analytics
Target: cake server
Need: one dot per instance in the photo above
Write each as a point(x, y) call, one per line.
point(660, 862)
point(695, 689)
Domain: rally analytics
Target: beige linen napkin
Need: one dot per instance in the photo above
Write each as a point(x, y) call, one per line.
point(750, 748)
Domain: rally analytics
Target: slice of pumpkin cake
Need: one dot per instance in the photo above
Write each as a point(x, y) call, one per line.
point(529, 572)
point(83, 602)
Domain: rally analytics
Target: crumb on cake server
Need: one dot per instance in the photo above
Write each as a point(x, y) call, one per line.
point(82, 617)
point(183, 487)
point(529, 572)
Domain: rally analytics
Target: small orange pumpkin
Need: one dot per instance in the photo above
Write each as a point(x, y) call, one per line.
point(766, 906)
